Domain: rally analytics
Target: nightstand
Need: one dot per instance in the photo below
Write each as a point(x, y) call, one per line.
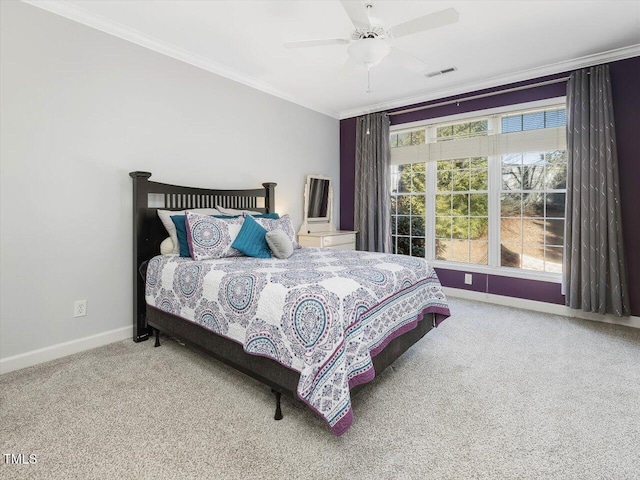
point(337, 239)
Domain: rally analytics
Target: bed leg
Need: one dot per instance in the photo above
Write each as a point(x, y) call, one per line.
point(278, 415)
point(157, 337)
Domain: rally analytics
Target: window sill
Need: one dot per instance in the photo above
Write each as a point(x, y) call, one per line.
point(500, 271)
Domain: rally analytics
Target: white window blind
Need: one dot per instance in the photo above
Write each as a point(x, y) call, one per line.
point(493, 143)
point(479, 146)
point(531, 141)
point(444, 150)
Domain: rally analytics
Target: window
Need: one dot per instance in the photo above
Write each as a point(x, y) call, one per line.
point(487, 191)
point(462, 130)
point(462, 222)
point(406, 138)
point(534, 120)
point(532, 199)
point(408, 209)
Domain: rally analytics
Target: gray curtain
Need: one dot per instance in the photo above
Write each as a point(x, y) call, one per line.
point(595, 274)
point(372, 192)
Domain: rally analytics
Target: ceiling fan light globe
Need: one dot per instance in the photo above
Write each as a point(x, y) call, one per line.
point(369, 51)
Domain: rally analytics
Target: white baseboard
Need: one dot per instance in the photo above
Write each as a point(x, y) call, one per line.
point(46, 354)
point(540, 307)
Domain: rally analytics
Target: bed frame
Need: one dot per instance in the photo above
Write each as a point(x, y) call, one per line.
point(148, 233)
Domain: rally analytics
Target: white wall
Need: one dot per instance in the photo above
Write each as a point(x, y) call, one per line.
point(80, 109)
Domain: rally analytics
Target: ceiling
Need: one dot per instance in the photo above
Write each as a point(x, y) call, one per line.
point(494, 42)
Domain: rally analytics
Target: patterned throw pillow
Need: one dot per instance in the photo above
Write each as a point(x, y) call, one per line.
point(211, 237)
point(168, 222)
point(283, 223)
point(180, 223)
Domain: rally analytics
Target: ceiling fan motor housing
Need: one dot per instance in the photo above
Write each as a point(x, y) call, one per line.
point(376, 31)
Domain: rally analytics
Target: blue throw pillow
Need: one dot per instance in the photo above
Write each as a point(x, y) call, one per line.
point(273, 216)
point(251, 241)
point(181, 232)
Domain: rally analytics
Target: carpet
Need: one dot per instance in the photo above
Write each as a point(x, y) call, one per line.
point(493, 392)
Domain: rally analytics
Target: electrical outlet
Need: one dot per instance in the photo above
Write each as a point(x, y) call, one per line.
point(80, 308)
point(468, 279)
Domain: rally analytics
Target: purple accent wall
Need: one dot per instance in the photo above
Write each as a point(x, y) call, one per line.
point(347, 172)
point(625, 89)
point(625, 78)
point(499, 285)
point(522, 288)
point(511, 98)
point(455, 279)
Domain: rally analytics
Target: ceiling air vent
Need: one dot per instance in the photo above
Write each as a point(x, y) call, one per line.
point(441, 72)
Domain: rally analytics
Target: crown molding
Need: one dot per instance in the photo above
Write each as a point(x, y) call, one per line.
point(560, 67)
point(80, 15)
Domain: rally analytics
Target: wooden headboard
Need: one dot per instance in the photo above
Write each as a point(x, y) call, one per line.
point(148, 231)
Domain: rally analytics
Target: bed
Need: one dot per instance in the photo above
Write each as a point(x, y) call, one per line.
point(317, 326)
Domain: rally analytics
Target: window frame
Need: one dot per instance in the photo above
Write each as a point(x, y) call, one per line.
point(495, 189)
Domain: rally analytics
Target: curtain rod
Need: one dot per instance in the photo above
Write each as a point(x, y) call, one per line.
point(483, 95)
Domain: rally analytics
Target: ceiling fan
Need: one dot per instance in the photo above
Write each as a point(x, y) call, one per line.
point(369, 42)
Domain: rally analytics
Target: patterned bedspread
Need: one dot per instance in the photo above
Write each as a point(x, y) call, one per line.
point(323, 313)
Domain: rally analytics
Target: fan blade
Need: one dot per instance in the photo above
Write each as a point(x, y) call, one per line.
point(406, 60)
point(427, 22)
point(357, 13)
point(317, 43)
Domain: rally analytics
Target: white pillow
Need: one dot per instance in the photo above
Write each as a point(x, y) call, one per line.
point(165, 218)
point(232, 211)
point(166, 247)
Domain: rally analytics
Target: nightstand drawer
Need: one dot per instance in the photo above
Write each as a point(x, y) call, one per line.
point(344, 246)
point(334, 240)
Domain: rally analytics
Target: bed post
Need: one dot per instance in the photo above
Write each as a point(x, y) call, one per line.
point(270, 196)
point(278, 415)
point(140, 198)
